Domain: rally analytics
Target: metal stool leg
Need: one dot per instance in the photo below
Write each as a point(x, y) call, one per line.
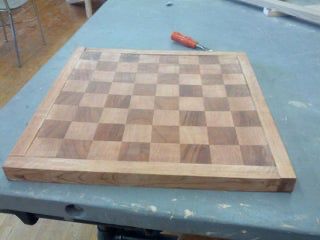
point(3, 24)
point(36, 12)
point(14, 38)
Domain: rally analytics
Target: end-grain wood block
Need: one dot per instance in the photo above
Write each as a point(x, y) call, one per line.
point(154, 119)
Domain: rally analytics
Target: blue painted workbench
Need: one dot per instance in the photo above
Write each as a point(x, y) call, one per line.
point(286, 57)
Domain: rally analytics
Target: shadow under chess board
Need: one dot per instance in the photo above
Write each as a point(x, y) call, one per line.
point(156, 119)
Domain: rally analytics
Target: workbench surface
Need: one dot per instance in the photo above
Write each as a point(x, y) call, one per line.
point(285, 55)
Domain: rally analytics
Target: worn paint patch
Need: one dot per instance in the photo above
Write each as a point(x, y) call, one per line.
point(224, 206)
point(287, 226)
point(211, 234)
point(244, 205)
point(152, 208)
point(173, 200)
point(188, 213)
point(299, 104)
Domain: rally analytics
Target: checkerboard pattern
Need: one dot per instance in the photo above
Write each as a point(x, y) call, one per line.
point(152, 107)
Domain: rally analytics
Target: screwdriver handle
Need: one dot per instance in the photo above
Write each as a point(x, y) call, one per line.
point(184, 40)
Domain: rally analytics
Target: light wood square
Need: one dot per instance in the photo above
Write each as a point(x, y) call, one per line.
point(149, 58)
point(142, 102)
point(137, 133)
point(228, 60)
point(210, 69)
point(93, 100)
point(102, 150)
point(219, 119)
point(188, 60)
point(62, 112)
point(81, 131)
point(226, 155)
point(191, 103)
point(251, 136)
point(44, 147)
point(114, 115)
point(167, 90)
point(168, 68)
point(111, 57)
point(214, 91)
point(75, 86)
point(127, 67)
point(103, 76)
point(241, 104)
point(193, 135)
point(146, 78)
point(166, 118)
point(190, 79)
point(164, 152)
point(86, 64)
point(233, 78)
point(118, 88)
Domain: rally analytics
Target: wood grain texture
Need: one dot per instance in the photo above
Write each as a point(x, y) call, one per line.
point(185, 129)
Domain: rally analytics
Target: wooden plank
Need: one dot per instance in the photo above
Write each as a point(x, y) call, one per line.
point(281, 158)
point(220, 177)
point(308, 14)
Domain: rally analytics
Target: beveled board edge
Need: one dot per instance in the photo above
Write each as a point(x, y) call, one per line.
point(277, 147)
point(31, 130)
point(155, 174)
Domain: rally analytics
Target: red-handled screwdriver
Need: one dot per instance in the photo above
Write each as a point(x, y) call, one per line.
point(187, 41)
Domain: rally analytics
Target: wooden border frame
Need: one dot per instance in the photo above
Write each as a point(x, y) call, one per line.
point(222, 177)
point(303, 12)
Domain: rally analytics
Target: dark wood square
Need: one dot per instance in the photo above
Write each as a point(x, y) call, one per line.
point(53, 129)
point(166, 103)
point(165, 134)
point(81, 74)
point(190, 91)
point(222, 136)
point(168, 78)
point(148, 67)
point(192, 118)
point(129, 57)
point(90, 55)
point(211, 79)
point(140, 116)
point(134, 151)
point(167, 59)
point(216, 104)
point(87, 114)
point(193, 153)
point(124, 77)
point(208, 60)
point(98, 87)
point(144, 89)
point(106, 66)
point(69, 98)
point(231, 68)
point(118, 101)
point(109, 132)
point(257, 155)
point(74, 149)
point(189, 68)
point(245, 118)
point(240, 90)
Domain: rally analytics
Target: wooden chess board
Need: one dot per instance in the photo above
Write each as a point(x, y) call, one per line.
point(156, 119)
